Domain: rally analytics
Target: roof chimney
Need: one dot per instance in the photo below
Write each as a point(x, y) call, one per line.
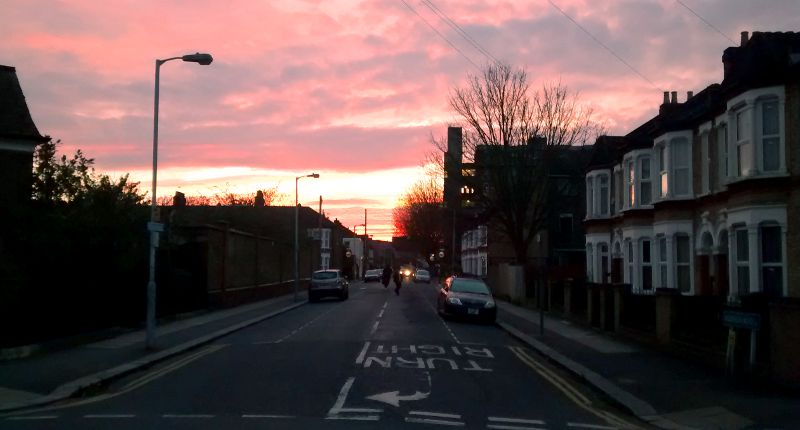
point(744, 38)
point(689, 94)
point(674, 98)
point(666, 97)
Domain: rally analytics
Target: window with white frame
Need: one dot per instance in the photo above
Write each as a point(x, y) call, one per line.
point(661, 152)
point(325, 239)
point(771, 259)
point(603, 250)
point(603, 193)
point(645, 188)
point(722, 150)
point(637, 176)
point(629, 247)
point(683, 274)
point(681, 158)
point(742, 259)
point(662, 261)
point(705, 183)
point(630, 170)
point(645, 251)
point(617, 201)
point(770, 135)
point(742, 138)
point(757, 133)
point(597, 194)
point(589, 262)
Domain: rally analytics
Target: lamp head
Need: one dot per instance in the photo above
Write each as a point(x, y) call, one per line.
point(314, 175)
point(202, 59)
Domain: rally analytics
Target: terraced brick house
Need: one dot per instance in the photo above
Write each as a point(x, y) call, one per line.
point(704, 198)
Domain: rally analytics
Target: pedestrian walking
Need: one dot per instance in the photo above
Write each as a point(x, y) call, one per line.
point(386, 276)
point(398, 282)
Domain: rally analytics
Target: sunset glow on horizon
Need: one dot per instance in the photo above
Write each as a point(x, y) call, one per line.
point(352, 90)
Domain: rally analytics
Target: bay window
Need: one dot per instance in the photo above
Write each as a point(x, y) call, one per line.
point(742, 256)
point(597, 194)
point(662, 261)
point(674, 159)
point(722, 150)
point(644, 181)
point(637, 174)
point(758, 136)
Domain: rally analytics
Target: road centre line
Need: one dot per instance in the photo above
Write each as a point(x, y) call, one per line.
point(33, 418)
point(360, 358)
point(109, 416)
point(510, 427)
point(190, 416)
point(435, 414)
point(374, 328)
point(266, 416)
point(433, 421)
point(516, 420)
point(591, 426)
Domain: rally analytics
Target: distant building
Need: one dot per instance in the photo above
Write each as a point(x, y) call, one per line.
point(18, 139)
point(481, 246)
point(704, 197)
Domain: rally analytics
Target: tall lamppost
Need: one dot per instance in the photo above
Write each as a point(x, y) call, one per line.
point(153, 226)
point(296, 240)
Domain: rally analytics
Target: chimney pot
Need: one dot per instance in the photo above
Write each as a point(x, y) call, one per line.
point(744, 38)
point(689, 94)
point(674, 97)
point(666, 97)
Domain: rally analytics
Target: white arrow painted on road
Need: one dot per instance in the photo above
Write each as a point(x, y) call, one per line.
point(394, 398)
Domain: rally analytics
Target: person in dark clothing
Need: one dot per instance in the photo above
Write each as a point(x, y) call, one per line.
point(386, 276)
point(398, 282)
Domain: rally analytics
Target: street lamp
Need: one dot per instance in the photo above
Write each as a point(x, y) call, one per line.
point(296, 245)
point(153, 226)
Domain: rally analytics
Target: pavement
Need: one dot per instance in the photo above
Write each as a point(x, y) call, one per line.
point(49, 377)
point(661, 390)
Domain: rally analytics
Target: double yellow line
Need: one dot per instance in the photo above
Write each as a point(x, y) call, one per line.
point(571, 392)
point(138, 382)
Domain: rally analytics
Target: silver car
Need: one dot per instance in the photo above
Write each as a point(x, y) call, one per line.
point(326, 283)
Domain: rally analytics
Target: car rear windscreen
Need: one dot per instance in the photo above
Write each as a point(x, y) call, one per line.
point(324, 275)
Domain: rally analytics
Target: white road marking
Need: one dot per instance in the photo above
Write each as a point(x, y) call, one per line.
point(591, 426)
point(342, 395)
point(33, 418)
point(432, 421)
point(515, 420)
point(187, 416)
point(360, 358)
point(435, 414)
point(374, 328)
point(355, 418)
point(110, 416)
point(295, 331)
point(508, 427)
point(266, 416)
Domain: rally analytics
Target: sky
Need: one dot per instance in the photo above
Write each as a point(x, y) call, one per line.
point(352, 90)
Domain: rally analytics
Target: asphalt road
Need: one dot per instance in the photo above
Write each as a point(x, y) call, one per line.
point(376, 359)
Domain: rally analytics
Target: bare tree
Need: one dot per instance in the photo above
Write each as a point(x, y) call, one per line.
point(419, 214)
point(509, 136)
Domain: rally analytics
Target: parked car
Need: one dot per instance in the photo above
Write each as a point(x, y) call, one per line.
point(422, 275)
point(328, 283)
point(466, 297)
point(373, 275)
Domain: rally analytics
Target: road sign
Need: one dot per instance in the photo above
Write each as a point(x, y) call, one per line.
point(739, 319)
